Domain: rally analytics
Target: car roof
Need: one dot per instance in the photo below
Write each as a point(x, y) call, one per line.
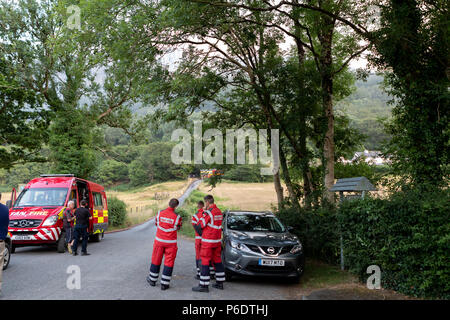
point(247, 212)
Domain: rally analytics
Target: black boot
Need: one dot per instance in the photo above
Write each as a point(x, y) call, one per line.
point(200, 289)
point(164, 287)
point(218, 285)
point(197, 277)
point(151, 282)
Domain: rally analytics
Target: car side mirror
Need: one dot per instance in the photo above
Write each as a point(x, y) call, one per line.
point(9, 204)
point(290, 229)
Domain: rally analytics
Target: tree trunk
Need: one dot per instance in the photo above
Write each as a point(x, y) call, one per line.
point(328, 147)
point(278, 189)
point(287, 180)
point(326, 68)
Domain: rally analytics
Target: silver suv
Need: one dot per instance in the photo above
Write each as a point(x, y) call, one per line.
point(258, 244)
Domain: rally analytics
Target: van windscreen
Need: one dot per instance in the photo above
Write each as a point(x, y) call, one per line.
point(38, 197)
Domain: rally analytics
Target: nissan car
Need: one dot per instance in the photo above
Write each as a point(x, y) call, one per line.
point(258, 244)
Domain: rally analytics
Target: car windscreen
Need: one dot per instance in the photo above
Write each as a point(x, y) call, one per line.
point(39, 197)
point(254, 223)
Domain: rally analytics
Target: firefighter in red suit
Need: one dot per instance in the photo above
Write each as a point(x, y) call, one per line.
point(198, 238)
point(211, 246)
point(168, 222)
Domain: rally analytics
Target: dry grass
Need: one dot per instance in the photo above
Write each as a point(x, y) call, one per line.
point(141, 203)
point(244, 196)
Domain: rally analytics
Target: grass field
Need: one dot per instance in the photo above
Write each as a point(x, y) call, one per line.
point(243, 195)
point(143, 203)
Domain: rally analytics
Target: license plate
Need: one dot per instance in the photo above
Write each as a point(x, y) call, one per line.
point(21, 238)
point(270, 262)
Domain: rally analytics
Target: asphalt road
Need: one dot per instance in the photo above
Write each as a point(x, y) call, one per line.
point(117, 268)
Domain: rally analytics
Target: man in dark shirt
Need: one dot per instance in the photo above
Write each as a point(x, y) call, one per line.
point(4, 222)
point(68, 218)
point(82, 217)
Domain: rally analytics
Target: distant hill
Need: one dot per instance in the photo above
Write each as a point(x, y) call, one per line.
point(365, 107)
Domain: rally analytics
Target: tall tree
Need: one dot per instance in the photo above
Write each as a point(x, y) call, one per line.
point(318, 27)
point(23, 120)
point(74, 73)
point(414, 43)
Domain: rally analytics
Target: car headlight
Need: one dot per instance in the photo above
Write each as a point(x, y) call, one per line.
point(239, 246)
point(297, 248)
point(50, 221)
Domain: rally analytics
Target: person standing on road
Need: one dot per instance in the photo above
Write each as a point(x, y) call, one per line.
point(198, 240)
point(168, 222)
point(82, 217)
point(4, 223)
point(211, 246)
point(198, 235)
point(68, 219)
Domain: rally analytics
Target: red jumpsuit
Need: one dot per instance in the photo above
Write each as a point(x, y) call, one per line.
point(165, 244)
point(198, 239)
point(211, 245)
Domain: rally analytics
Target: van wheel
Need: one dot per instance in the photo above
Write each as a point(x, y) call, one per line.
point(61, 244)
point(97, 237)
point(7, 256)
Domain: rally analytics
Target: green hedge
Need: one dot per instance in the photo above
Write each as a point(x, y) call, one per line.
point(316, 230)
point(407, 236)
point(117, 211)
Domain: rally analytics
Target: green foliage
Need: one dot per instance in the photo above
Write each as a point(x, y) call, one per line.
point(154, 165)
point(316, 230)
point(365, 107)
point(23, 119)
point(110, 172)
point(247, 173)
point(138, 173)
point(413, 42)
point(117, 211)
point(23, 173)
point(72, 136)
point(361, 169)
point(406, 235)
point(183, 213)
point(347, 138)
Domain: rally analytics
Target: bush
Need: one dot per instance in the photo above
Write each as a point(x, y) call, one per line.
point(246, 173)
point(316, 230)
point(184, 214)
point(117, 211)
point(407, 236)
point(361, 169)
point(111, 171)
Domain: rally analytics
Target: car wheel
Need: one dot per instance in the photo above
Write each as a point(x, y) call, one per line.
point(13, 248)
point(97, 237)
point(7, 256)
point(61, 244)
point(228, 275)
